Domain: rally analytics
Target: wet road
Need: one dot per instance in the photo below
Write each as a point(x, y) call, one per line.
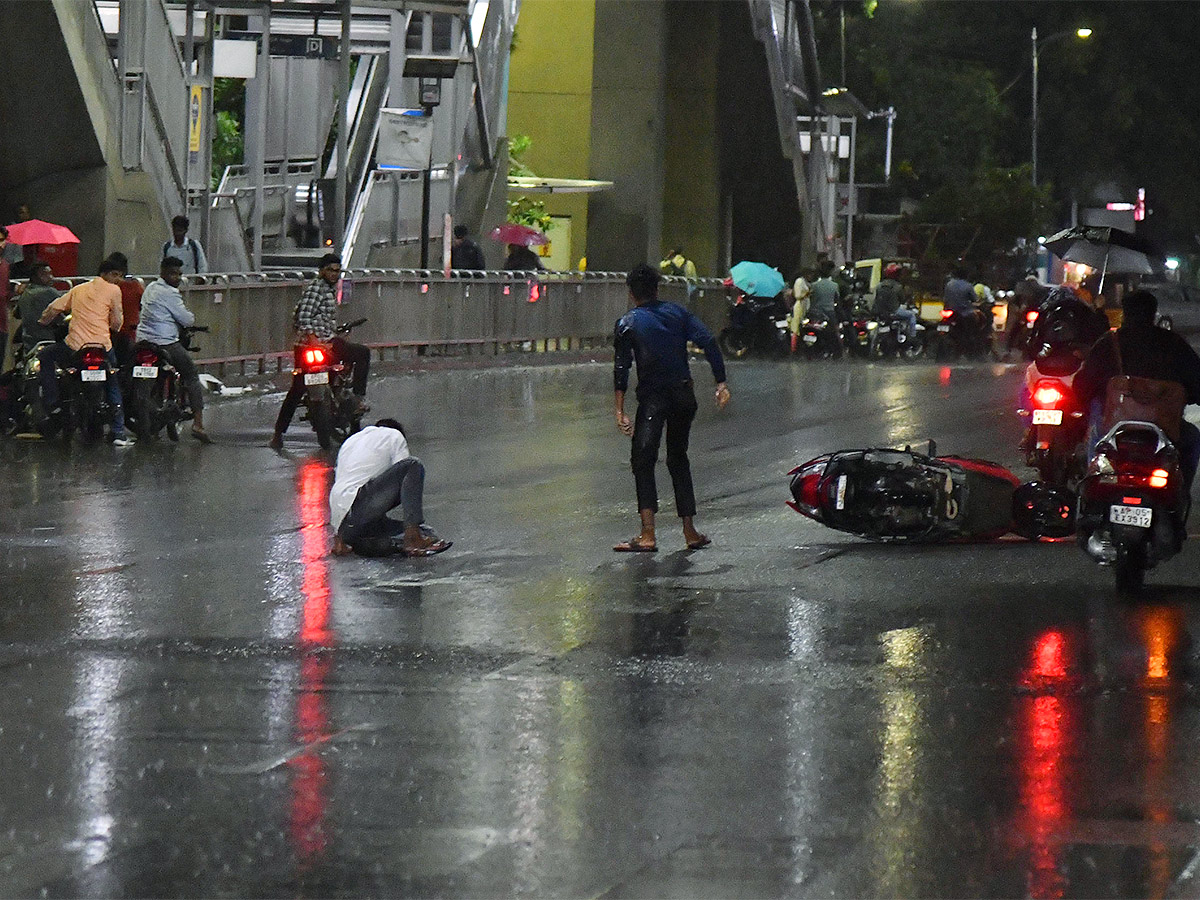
point(195, 700)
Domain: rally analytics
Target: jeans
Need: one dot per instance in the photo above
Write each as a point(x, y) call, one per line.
point(403, 485)
point(60, 354)
point(910, 320)
point(359, 358)
point(673, 408)
point(182, 361)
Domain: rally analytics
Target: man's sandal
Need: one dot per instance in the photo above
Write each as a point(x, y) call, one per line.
point(429, 550)
point(634, 546)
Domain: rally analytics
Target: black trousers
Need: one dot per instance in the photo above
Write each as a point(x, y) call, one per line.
point(359, 358)
point(674, 409)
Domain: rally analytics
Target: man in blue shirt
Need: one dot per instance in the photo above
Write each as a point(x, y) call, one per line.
point(163, 315)
point(655, 334)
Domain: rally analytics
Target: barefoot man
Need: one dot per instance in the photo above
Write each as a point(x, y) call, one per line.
point(656, 334)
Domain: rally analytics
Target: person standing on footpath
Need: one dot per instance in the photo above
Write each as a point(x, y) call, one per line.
point(655, 335)
point(465, 253)
point(185, 249)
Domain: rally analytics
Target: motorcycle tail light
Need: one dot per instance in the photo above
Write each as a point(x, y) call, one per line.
point(1031, 316)
point(806, 487)
point(1048, 394)
point(146, 357)
point(92, 359)
point(314, 356)
point(947, 313)
point(1159, 478)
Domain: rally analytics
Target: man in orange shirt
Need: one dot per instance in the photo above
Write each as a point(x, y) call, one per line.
point(95, 309)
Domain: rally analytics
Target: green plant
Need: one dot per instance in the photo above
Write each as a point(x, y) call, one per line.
point(518, 146)
point(523, 211)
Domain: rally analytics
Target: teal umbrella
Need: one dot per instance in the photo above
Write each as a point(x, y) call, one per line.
point(757, 279)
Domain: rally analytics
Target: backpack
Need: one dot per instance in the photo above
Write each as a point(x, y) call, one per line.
point(1129, 398)
point(195, 248)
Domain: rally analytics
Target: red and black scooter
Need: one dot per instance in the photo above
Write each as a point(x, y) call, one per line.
point(901, 495)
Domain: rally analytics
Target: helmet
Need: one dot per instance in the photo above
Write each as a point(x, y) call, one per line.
point(892, 271)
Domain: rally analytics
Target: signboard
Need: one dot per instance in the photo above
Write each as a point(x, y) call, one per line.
point(405, 139)
point(195, 104)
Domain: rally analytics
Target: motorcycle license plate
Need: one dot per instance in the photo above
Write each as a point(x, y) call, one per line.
point(93, 375)
point(145, 371)
point(1047, 417)
point(810, 339)
point(1138, 516)
point(781, 323)
point(943, 329)
point(316, 378)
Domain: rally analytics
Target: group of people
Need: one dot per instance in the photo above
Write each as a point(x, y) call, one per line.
point(467, 255)
point(111, 311)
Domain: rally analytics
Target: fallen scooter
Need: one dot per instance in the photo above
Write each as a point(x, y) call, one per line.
point(902, 495)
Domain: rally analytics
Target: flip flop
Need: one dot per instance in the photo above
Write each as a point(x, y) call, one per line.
point(632, 546)
point(201, 436)
point(697, 545)
point(431, 550)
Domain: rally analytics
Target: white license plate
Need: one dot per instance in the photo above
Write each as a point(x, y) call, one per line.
point(145, 371)
point(1138, 516)
point(840, 501)
point(93, 375)
point(943, 329)
point(1047, 417)
point(810, 339)
point(781, 323)
point(316, 378)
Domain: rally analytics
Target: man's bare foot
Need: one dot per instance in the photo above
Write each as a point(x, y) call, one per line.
point(696, 540)
point(340, 547)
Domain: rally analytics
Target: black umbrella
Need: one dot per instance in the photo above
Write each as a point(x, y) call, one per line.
point(1110, 250)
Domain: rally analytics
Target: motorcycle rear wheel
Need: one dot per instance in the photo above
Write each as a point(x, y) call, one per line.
point(1130, 572)
point(147, 405)
point(734, 343)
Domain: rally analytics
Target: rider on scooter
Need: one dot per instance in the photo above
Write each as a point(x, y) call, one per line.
point(889, 301)
point(1146, 351)
point(315, 320)
point(163, 316)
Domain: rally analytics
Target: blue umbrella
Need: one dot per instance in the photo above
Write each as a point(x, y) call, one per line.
point(757, 279)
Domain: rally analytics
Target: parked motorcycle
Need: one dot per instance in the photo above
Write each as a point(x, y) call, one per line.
point(158, 399)
point(329, 404)
point(1133, 502)
point(892, 340)
point(820, 338)
point(756, 325)
point(902, 495)
point(959, 335)
point(859, 333)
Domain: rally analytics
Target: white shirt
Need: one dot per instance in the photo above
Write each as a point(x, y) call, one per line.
point(364, 455)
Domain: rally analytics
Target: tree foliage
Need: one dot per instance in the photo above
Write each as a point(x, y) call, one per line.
point(1117, 112)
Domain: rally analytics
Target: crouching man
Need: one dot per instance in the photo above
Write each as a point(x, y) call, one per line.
point(374, 475)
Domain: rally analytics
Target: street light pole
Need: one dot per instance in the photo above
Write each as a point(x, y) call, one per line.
point(1034, 118)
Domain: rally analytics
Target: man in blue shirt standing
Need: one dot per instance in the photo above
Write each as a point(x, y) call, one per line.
point(655, 334)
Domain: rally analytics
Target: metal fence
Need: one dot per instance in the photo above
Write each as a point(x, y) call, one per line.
point(250, 315)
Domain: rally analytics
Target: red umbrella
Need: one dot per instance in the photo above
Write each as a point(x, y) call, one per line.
point(511, 233)
point(35, 231)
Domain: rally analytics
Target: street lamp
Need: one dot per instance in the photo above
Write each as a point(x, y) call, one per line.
point(1083, 34)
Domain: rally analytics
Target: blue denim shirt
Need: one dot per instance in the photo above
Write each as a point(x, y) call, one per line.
point(163, 314)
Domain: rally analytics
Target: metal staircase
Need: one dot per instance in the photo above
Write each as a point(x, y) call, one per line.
point(785, 29)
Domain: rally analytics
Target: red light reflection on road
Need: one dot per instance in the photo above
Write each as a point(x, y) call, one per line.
point(944, 374)
point(309, 788)
point(1046, 730)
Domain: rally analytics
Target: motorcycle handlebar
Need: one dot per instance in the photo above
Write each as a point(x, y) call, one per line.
point(349, 326)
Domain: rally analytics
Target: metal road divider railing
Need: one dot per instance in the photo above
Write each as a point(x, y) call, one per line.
point(408, 310)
